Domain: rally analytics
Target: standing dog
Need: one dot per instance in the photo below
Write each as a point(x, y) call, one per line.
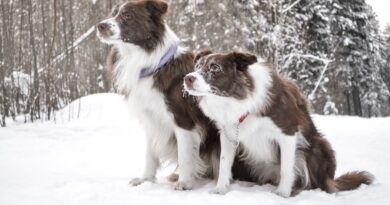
point(149, 67)
point(267, 119)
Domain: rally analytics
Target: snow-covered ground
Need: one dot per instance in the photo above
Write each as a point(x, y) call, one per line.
point(92, 150)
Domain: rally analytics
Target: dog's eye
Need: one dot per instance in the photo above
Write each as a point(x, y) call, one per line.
point(126, 15)
point(215, 67)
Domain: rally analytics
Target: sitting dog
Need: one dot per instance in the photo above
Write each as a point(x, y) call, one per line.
point(266, 119)
point(148, 66)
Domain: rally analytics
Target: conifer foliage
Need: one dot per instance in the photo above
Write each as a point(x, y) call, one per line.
point(334, 49)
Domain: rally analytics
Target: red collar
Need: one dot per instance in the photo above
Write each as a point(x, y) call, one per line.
point(242, 118)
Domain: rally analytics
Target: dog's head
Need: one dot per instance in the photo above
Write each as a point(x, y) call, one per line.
point(135, 22)
point(221, 74)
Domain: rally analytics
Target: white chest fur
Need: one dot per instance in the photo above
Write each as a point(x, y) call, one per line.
point(258, 136)
point(146, 100)
point(148, 104)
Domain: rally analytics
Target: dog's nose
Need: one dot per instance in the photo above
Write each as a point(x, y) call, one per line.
point(189, 79)
point(103, 27)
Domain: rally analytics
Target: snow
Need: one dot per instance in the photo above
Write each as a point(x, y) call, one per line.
point(94, 148)
point(20, 80)
point(196, 2)
point(381, 8)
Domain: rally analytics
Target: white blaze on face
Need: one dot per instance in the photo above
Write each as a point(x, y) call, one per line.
point(114, 29)
point(199, 86)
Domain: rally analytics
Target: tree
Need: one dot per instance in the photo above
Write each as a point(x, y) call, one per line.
point(385, 71)
point(356, 59)
point(41, 70)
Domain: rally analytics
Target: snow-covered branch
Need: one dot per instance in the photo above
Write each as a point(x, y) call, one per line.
point(311, 96)
point(74, 45)
point(324, 60)
point(291, 6)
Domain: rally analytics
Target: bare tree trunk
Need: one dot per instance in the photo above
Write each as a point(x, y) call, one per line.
point(66, 44)
point(347, 95)
point(73, 84)
point(385, 73)
point(2, 69)
point(4, 62)
point(47, 77)
point(2, 86)
point(35, 111)
point(44, 30)
point(356, 101)
point(54, 34)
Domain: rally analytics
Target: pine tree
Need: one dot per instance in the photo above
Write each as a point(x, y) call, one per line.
point(356, 61)
point(385, 68)
point(306, 48)
point(385, 71)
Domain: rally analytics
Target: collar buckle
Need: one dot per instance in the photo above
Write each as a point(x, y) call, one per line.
point(242, 118)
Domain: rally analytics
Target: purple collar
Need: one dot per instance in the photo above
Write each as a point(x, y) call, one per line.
point(146, 72)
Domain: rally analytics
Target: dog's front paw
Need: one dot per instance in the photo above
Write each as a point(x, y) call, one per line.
point(220, 190)
point(283, 192)
point(182, 186)
point(138, 181)
point(173, 177)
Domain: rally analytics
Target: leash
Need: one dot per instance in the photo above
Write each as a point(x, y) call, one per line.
point(236, 141)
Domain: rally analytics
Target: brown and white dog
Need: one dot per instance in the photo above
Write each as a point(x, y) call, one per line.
point(266, 118)
point(149, 66)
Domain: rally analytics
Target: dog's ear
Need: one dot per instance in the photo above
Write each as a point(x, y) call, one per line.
point(157, 7)
point(201, 54)
point(242, 60)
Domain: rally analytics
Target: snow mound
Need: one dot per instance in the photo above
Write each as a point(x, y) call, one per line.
point(103, 106)
point(94, 148)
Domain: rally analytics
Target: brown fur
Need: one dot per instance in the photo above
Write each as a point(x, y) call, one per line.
point(142, 23)
point(112, 59)
point(187, 114)
point(351, 180)
point(288, 109)
point(225, 86)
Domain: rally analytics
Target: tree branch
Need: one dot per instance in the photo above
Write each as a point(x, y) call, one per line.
point(291, 6)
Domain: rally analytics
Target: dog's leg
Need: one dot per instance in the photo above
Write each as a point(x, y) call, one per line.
point(228, 151)
point(287, 160)
point(151, 166)
point(174, 177)
point(188, 157)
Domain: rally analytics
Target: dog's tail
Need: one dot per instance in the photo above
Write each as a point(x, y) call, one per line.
point(350, 181)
